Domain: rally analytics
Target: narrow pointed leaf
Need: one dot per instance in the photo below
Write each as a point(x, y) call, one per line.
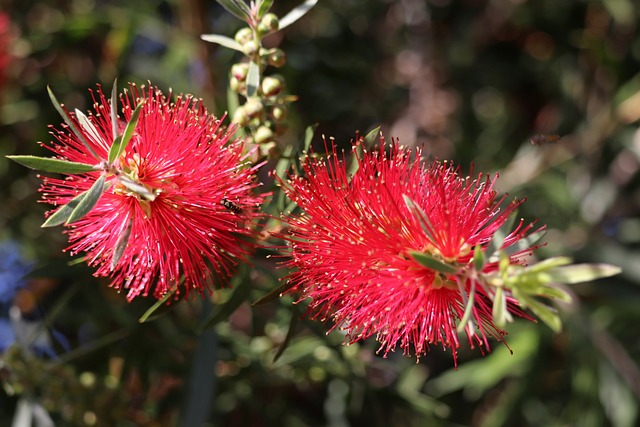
point(274, 294)
point(293, 323)
point(370, 137)
point(580, 273)
point(297, 13)
point(89, 201)
point(432, 263)
point(235, 8)
point(420, 215)
point(253, 79)
point(120, 144)
point(478, 258)
point(222, 41)
point(69, 122)
point(121, 245)
point(62, 215)
point(47, 164)
point(543, 312)
point(264, 7)
point(548, 264)
point(87, 126)
point(114, 109)
point(500, 235)
point(556, 293)
point(468, 303)
point(147, 314)
point(500, 313)
point(140, 190)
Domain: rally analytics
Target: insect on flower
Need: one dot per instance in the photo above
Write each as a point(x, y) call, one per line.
point(544, 139)
point(231, 206)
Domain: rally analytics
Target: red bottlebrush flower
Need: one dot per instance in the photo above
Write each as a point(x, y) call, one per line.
point(352, 246)
point(5, 42)
point(184, 232)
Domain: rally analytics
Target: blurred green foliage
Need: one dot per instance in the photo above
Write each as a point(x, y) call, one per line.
point(470, 80)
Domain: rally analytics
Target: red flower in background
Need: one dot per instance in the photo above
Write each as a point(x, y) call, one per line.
point(193, 229)
point(351, 248)
point(5, 41)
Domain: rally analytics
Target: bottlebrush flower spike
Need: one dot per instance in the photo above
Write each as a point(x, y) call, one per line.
point(162, 219)
point(354, 248)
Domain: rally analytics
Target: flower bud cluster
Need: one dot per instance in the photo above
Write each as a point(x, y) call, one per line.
point(264, 112)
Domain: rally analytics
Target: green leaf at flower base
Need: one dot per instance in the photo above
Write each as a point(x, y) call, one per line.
point(47, 164)
point(222, 41)
point(500, 313)
point(371, 136)
point(121, 244)
point(120, 143)
point(297, 13)
point(545, 313)
point(114, 109)
point(580, 273)
point(87, 126)
point(468, 305)
point(137, 188)
point(264, 7)
point(479, 259)
point(237, 8)
point(253, 79)
point(70, 123)
point(89, 201)
point(62, 215)
point(432, 263)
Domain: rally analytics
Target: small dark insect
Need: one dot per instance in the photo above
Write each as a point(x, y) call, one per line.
point(544, 139)
point(231, 206)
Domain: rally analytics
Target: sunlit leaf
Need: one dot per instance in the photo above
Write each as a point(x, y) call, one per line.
point(121, 244)
point(237, 8)
point(543, 312)
point(114, 109)
point(47, 164)
point(120, 144)
point(87, 126)
point(372, 135)
point(253, 79)
point(468, 305)
point(62, 215)
point(264, 7)
point(89, 201)
point(500, 314)
point(139, 189)
point(432, 263)
point(222, 41)
point(423, 219)
point(70, 123)
point(582, 273)
point(297, 13)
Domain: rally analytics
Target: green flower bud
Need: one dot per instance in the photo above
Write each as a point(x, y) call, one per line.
point(240, 71)
point(276, 58)
point(270, 149)
point(240, 116)
point(244, 35)
point(250, 48)
point(263, 135)
point(236, 85)
point(270, 21)
point(279, 113)
point(253, 107)
point(271, 86)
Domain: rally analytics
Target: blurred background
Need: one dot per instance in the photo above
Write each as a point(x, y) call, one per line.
point(471, 81)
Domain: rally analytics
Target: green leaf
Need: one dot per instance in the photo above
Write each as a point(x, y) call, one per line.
point(87, 126)
point(526, 242)
point(70, 123)
point(62, 215)
point(548, 264)
point(147, 314)
point(136, 188)
point(500, 314)
point(420, 215)
point(274, 294)
point(478, 258)
point(114, 109)
point(222, 41)
point(47, 164)
point(89, 201)
point(356, 154)
point(120, 143)
point(468, 305)
point(297, 13)
point(237, 8)
point(582, 273)
point(253, 79)
point(264, 7)
point(498, 237)
point(293, 323)
point(543, 312)
point(432, 263)
point(121, 245)
point(372, 135)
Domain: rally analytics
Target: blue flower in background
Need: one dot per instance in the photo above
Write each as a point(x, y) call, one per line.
point(13, 269)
